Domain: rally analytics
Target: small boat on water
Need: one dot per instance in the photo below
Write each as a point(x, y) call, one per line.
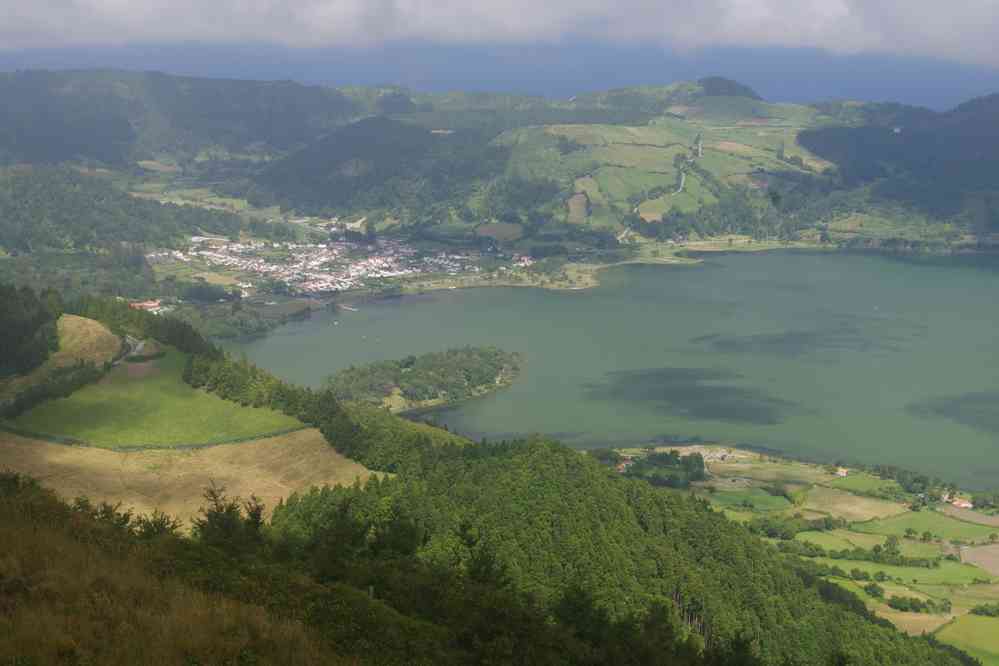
point(348, 308)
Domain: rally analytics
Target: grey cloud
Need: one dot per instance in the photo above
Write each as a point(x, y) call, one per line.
point(964, 30)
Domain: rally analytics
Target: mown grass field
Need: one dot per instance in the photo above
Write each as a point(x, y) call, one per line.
point(763, 469)
point(173, 480)
point(827, 540)
point(148, 404)
point(934, 522)
point(862, 482)
point(849, 506)
point(757, 499)
point(976, 635)
point(80, 339)
point(848, 539)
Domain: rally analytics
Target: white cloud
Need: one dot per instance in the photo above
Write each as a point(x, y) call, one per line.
point(965, 30)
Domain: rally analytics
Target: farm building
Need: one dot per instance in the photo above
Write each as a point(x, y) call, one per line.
point(145, 305)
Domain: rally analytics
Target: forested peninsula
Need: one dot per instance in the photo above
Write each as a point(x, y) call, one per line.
point(429, 380)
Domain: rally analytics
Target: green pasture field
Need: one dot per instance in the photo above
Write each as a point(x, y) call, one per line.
point(773, 469)
point(841, 504)
point(848, 539)
point(976, 635)
point(148, 404)
point(827, 540)
point(863, 483)
point(948, 573)
point(934, 522)
point(735, 499)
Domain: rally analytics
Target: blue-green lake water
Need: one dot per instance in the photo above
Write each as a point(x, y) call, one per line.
point(826, 356)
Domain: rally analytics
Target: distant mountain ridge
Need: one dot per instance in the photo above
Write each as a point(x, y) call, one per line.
point(115, 117)
point(456, 161)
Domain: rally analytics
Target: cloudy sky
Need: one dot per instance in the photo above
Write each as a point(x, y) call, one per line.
point(887, 49)
point(962, 30)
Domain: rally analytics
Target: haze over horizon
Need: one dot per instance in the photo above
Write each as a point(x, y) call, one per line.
point(917, 53)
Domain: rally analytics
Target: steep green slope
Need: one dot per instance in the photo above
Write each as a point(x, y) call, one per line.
point(115, 116)
point(560, 527)
point(941, 165)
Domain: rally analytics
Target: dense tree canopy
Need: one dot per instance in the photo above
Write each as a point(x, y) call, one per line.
point(450, 376)
point(380, 162)
point(935, 163)
point(28, 331)
point(560, 527)
point(59, 208)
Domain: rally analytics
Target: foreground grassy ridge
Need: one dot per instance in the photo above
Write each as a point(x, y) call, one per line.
point(80, 339)
point(148, 404)
point(66, 601)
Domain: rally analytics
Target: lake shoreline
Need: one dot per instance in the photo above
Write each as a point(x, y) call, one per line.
point(583, 276)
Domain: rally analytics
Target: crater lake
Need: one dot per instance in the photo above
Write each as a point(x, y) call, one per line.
point(826, 356)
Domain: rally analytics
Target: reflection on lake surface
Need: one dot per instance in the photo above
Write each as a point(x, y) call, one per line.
point(829, 356)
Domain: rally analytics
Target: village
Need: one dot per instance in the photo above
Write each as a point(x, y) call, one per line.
point(318, 269)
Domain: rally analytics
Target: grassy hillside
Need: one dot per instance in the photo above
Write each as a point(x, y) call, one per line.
point(80, 339)
point(172, 480)
point(148, 404)
point(979, 636)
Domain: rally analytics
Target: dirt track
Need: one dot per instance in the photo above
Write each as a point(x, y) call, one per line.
point(173, 481)
point(971, 516)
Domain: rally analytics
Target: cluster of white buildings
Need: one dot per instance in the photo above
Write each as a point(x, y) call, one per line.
point(318, 268)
